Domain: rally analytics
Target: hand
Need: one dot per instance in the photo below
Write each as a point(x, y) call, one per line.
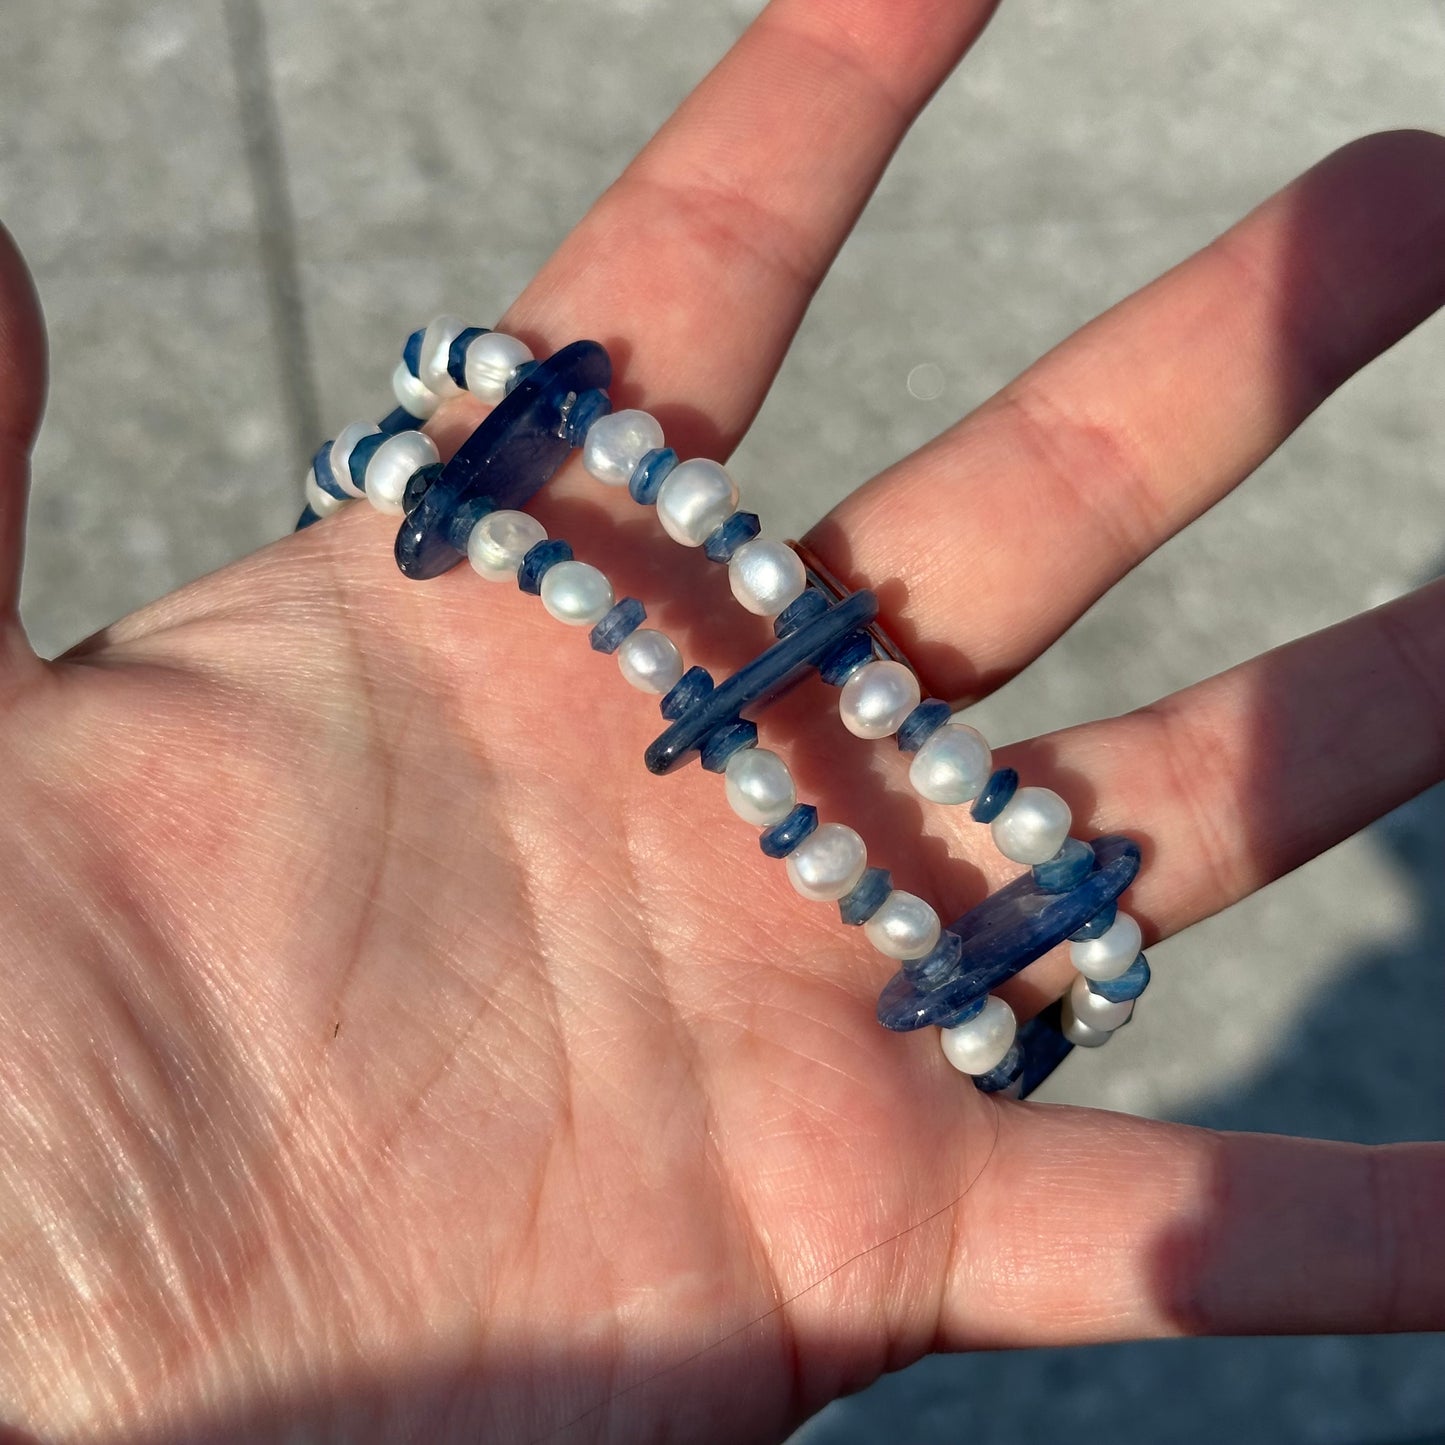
point(387, 1054)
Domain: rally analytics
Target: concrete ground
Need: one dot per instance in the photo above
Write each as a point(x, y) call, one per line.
point(236, 209)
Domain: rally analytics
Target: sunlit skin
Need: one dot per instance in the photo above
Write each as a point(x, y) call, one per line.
point(387, 1054)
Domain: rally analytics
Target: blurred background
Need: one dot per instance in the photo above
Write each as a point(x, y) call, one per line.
point(237, 209)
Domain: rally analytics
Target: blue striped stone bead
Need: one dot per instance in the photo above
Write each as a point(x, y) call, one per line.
point(465, 515)
point(693, 687)
point(809, 604)
point(996, 793)
point(1129, 985)
point(361, 455)
point(730, 535)
point(457, 356)
point(651, 471)
point(411, 351)
point(325, 477)
point(1100, 923)
point(418, 484)
point(722, 743)
point(520, 375)
point(540, 557)
point(836, 666)
point(1044, 1048)
point(619, 624)
point(922, 723)
point(394, 421)
point(867, 896)
point(306, 518)
point(963, 1013)
point(780, 840)
point(1005, 1073)
point(588, 408)
point(937, 964)
point(1070, 865)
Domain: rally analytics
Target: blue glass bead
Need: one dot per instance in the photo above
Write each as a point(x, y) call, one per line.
point(1044, 1048)
point(730, 535)
point(970, 1010)
point(807, 605)
point(780, 840)
point(306, 518)
point(922, 723)
point(996, 793)
point(325, 477)
point(395, 421)
point(361, 455)
point(466, 516)
point(520, 375)
point(583, 412)
point(411, 351)
point(728, 739)
point(999, 1078)
point(654, 466)
point(540, 557)
point(939, 964)
point(693, 687)
point(1130, 984)
point(867, 896)
point(623, 620)
point(457, 356)
point(418, 484)
point(838, 665)
point(1100, 923)
point(1070, 865)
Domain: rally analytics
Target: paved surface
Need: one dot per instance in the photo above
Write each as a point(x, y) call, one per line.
point(236, 208)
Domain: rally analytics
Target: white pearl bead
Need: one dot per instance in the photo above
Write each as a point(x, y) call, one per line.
point(904, 926)
point(828, 863)
point(497, 544)
point(617, 442)
point(491, 360)
point(980, 1043)
point(695, 498)
point(576, 593)
point(341, 449)
point(1111, 953)
point(1086, 1036)
point(1032, 826)
point(436, 350)
point(759, 786)
point(411, 395)
point(391, 466)
point(952, 766)
point(322, 503)
point(876, 699)
point(1097, 1012)
point(766, 576)
point(650, 660)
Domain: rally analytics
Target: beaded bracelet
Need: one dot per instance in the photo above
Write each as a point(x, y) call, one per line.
point(472, 507)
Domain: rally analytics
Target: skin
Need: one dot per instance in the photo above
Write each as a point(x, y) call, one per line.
point(382, 1065)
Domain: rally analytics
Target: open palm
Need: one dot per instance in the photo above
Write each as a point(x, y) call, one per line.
point(388, 1055)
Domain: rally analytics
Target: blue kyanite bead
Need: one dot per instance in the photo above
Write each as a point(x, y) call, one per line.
point(623, 620)
point(1070, 865)
point(520, 375)
point(411, 351)
point(650, 473)
point(395, 421)
point(807, 605)
point(938, 964)
point(780, 840)
point(999, 1078)
point(693, 687)
point(730, 535)
point(464, 516)
point(584, 411)
point(457, 356)
point(1100, 923)
point(996, 793)
point(727, 740)
point(1044, 1048)
point(361, 455)
point(306, 518)
point(418, 484)
point(867, 896)
point(1130, 984)
point(922, 723)
point(325, 477)
point(545, 554)
point(838, 665)
point(963, 1013)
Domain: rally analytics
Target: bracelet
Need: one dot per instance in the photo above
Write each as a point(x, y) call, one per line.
point(472, 508)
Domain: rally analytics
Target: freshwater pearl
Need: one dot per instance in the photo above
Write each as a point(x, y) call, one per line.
point(766, 576)
point(759, 787)
point(952, 766)
point(491, 359)
point(828, 863)
point(617, 442)
point(341, 449)
point(576, 593)
point(1032, 826)
point(876, 699)
point(414, 398)
point(322, 503)
point(1097, 1012)
point(982, 1042)
point(391, 466)
point(436, 351)
point(1111, 953)
point(497, 544)
point(695, 498)
point(649, 660)
point(904, 926)
point(1084, 1035)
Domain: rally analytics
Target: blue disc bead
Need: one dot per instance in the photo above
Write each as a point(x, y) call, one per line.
point(457, 356)
point(520, 375)
point(1044, 1048)
point(839, 664)
point(361, 455)
point(996, 793)
point(620, 623)
point(306, 518)
point(650, 473)
point(1100, 923)
point(780, 840)
point(693, 687)
point(540, 557)
point(730, 535)
point(999, 1078)
point(411, 351)
point(937, 964)
point(325, 477)
point(393, 422)
point(922, 723)
point(418, 484)
point(1070, 865)
point(1129, 985)
point(970, 1010)
point(464, 516)
point(867, 896)
point(807, 605)
point(728, 739)
point(588, 407)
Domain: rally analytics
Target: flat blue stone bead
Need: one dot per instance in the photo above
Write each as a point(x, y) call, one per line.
point(1070, 865)
point(1007, 932)
point(361, 454)
point(418, 484)
point(970, 1010)
point(841, 662)
point(693, 687)
point(623, 620)
point(728, 739)
point(457, 356)
point(731, 533)
point(867, 896)
point(464, 517)
point(650, 473)
point(922, 723)
point(306, 518)
point(996, 793)
point(780, 840)
point(540, 557)
point(1100, 923)
point(998, 1079)
point(411, 351)
point(1130, 984)
point(325, 477)
point(940, 963)
point(588, 407)
point(397, 421)
point(520, 375)
point(807, 605)
point(1044, 1048)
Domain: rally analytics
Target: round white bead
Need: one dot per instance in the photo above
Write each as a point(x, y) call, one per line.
point(1032, 826)
point(320, 502)
point(617, 442)
point(1085, 1035)
point(497, 544)
point(759, 786)
point(491, 359)
point(436, 350)
point(828, 863)
point(576, 593)
point(876, 699)
point(341, 449)
point(411, 395)
point(650, 660)
point(980, 1044)
point(391, 466)
point(952, 766)
point(695, 498)
point(904, 926)
point(766, 576)
point(1097, 1012)
point(1111, 953)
